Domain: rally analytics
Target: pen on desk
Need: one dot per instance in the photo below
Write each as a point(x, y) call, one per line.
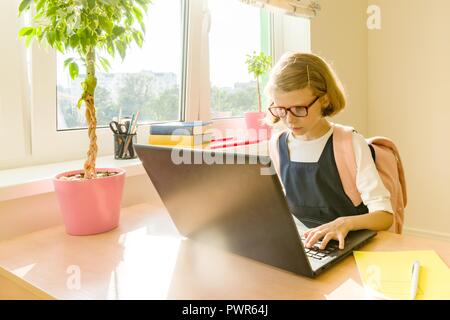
point(414, 279)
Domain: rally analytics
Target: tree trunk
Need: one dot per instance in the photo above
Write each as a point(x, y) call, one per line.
point(91, 119)
point(259, 94)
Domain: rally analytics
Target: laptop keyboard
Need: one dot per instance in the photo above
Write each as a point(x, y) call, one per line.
point(318, 254)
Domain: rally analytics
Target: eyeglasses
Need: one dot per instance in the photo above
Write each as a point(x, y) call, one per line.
point(296, 111)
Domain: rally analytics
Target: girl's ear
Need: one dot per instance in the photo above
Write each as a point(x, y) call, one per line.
point(327, 108)
point(325, 100)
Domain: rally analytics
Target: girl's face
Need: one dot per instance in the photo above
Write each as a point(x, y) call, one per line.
point(301, 126)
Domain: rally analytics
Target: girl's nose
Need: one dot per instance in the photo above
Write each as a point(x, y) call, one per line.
point(290, 118)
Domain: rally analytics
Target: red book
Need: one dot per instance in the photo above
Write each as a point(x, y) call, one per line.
point(234, 143)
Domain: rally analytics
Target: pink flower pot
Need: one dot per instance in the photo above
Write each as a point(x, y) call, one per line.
point(255, 126)
point(90, 206)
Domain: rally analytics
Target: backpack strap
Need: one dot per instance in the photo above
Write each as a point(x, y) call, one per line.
point(274, 152)
point(345, 161)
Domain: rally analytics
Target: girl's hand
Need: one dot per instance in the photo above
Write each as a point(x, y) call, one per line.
point(337, 230)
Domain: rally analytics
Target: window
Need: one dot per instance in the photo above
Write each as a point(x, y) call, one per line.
point(169, 79)
point(237, 29)
point(148, 80)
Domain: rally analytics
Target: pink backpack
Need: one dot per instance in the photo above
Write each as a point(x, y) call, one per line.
point(387, 161)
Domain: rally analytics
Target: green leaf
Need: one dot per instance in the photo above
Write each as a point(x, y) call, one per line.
point(74, 40)
point(105, 63)
point(121, 48)
point(110, 48)
point(59, 46)
point(129, 21)
point(82, 39)
point(80, 102)
point(138, 38)
point(51, 38)
point(143, 3)
point(24, 5)
point(142, 24)
point(118, 31)
point(57, 35)
point(51, 11)
point(25, 31)
point(40, 4)
point(73, 70)
point(39, 33)
point(106, 24)
point(37, 16)
point(138, 14)
point(67, 62)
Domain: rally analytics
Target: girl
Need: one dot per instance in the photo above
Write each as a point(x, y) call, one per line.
point(303, 91)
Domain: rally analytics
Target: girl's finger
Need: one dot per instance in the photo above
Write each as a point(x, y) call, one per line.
point(309, 234)
point(305, 233)
point(341, 239)
point(313, 229)
point(329, 236)
point(318, 235)
point(312, 234)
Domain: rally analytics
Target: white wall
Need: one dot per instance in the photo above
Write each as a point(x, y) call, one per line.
point(409, 82)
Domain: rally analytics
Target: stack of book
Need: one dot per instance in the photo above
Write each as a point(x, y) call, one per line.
point(181, 134)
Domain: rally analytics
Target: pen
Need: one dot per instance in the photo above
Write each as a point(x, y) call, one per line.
point(130, 127)
point(415, 279)
point(132, 130)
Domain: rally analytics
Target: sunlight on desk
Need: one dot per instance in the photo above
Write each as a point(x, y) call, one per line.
point(350, 290)
point(22, 271)
point(141, 275)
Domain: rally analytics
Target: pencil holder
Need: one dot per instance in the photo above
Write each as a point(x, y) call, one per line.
point(124, 146)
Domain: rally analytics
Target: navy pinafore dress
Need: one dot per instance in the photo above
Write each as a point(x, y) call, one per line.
point(314, 191)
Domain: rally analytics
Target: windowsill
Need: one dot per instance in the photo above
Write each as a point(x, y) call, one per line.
point(34, 180)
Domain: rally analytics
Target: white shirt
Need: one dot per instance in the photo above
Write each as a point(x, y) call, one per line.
point(368, 182)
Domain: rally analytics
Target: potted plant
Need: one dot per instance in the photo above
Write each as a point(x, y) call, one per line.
point(258, 65)
point(90, 198)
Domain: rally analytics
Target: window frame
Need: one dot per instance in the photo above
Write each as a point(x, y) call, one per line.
point(14, 91)
point(50, 144)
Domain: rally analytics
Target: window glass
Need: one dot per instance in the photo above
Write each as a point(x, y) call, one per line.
point(235, 32)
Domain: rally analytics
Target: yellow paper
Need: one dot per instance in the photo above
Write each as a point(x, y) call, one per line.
point(388, 274)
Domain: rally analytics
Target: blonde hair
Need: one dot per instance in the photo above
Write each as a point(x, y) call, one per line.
point(296, 70)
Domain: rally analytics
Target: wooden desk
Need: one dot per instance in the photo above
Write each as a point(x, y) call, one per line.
point(145, 258)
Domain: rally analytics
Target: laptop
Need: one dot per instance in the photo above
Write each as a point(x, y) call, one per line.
point(228, 200)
